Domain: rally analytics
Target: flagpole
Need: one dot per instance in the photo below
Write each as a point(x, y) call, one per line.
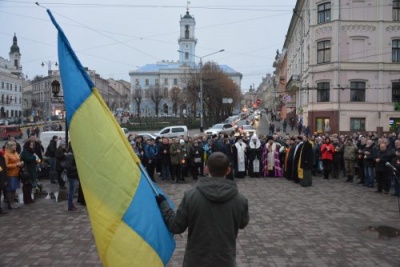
point(143, 170)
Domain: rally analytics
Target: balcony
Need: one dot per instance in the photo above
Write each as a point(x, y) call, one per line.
point(294, 83)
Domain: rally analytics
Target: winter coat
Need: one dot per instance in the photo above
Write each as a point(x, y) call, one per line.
point(70, 166)
point(165, 158)
point(350, 152)
point(368, 160)
point(30, 164)
point(176, 156)
point(213, 212)
point(384, 156)
point(3, 172)
point(327, 151)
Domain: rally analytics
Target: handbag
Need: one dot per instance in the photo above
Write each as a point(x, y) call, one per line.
point(24, 175)
point(64, 176)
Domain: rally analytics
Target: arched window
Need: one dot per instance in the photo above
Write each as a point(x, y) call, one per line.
point(186, 31)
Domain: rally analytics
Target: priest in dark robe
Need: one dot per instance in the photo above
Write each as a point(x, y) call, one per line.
point(306, 162)
point(296, 158)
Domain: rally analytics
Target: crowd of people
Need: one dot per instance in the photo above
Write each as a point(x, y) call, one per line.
point(296, 157)
point(21, 166)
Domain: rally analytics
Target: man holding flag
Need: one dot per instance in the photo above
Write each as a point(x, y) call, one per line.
point(213, 212)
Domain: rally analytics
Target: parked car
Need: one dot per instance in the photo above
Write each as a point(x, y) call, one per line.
point(232, 119)
point(10, 130)
point(50, 127)
point(146, 136)
point(225, 128)
point(247, 130)
point(173, 131)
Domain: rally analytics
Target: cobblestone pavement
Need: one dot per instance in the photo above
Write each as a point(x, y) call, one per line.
point(323, 225)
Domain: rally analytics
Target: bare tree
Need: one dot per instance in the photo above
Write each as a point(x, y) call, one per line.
point(175, 91)
point(216, 86)
point(137, 96)
point(156, 95)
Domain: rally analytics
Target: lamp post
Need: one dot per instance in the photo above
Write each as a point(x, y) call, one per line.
point(55, 89)
point(201, 85)
point(49, 64)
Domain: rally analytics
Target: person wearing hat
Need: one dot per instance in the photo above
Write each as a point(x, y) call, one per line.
point(270, 159)
point(254, 156)
point(213, 212)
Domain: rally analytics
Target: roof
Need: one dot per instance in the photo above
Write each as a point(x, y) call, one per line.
point(176, 65)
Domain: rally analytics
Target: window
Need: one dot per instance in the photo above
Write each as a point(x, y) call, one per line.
point(186, 31)
point(396, 51)
point(323, 52)
point(175, 81)
point(396, 92)
point(323, 92)
point(357, 91)
point(2, 85)
point(324, 13)
point(165, 92)
point(166, 81)
point(357, 124)
point(396, 10)
point(186, 55)
point(156, 82)
point(147, 82)
point(137, 81)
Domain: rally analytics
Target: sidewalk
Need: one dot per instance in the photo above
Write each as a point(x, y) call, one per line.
point(327, 224)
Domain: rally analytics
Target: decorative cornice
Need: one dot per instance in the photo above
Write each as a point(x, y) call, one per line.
point(323, 29)
point(393, 28)
point(359, 28)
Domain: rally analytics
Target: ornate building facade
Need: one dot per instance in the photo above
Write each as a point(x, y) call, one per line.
point(11, 83)
point(154, 85)
point(343, 61)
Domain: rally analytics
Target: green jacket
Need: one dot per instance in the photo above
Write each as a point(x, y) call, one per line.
point(213, 212)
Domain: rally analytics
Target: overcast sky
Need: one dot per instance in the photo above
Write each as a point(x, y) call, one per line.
point(115, 37)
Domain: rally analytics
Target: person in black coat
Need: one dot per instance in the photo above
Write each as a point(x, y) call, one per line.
point(73, 179)
point(3, 180)
point(60, 164)
point(254, 154)
point(306, 162)
point(383, 156)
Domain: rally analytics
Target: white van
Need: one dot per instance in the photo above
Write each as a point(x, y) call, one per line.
point(45, 137)
point(173, 131)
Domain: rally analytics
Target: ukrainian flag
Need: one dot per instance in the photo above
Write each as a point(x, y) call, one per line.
point(126, 221)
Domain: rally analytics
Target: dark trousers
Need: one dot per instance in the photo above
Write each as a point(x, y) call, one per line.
point(383, 178)
point(27, 193)
point(150, 167)
point(176, 172)
point(327, 167)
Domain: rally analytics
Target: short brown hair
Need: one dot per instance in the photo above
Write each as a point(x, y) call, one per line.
point(218, 164)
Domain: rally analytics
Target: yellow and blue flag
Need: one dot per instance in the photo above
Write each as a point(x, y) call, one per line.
point(127, 224)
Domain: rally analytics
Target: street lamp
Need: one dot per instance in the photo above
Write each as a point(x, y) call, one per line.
point(201, 85)
point(55, 89)
point(49, 64)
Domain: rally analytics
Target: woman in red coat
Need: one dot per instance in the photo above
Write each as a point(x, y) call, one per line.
point(327, 151)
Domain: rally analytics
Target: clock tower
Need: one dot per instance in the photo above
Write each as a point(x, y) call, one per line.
point(187, 41)
point(15, 58)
